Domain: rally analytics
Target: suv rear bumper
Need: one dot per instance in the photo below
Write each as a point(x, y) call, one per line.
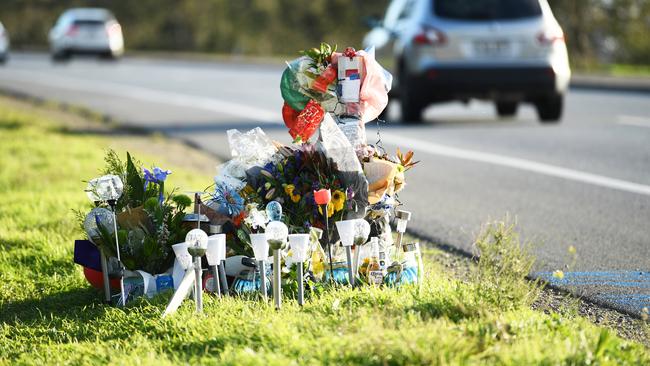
point(485, 82)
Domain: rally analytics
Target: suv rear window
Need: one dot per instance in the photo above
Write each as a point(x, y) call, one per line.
point(486, 9)
point(88, 22)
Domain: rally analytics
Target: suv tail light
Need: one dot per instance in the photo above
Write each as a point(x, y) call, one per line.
point(113, 29)
point(72, 31)
point(548, 38)
point(430, 36)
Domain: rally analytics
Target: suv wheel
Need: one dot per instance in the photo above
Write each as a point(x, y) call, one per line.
point(507, 109)
point(61, 56)
point(411, 105)
point(549, 109)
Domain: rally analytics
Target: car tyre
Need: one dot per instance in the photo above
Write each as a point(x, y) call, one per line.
point(61, 56)
point(549, 109)
point(411, 106)
point(507, 109)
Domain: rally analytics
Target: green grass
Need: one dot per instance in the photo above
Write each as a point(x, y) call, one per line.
point(49, 314)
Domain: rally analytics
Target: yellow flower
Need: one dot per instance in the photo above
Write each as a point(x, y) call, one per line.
point(558, 274)
point(330, 210)
point(338, 200)
point(288, 189)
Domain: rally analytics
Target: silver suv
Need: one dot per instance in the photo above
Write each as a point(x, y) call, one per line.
point(506, 51)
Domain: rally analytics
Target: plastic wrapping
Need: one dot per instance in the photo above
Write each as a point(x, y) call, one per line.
point(307, 121)
point(381, 175)
point(337, 147)
point(252, 148)
point(297, 88)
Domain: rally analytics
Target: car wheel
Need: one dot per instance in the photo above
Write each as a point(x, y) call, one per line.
point(507, 109)
point(549, 109)
point(411, 105)
point(108, 55)
point(61, 56)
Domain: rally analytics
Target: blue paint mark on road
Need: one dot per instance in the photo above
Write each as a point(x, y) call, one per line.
point(627, 289)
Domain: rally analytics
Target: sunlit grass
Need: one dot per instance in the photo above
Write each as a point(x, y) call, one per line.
point(49, 314)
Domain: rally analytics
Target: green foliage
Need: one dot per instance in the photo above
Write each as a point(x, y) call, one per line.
point(503, 266)
point(136, 192)
point(321, 56)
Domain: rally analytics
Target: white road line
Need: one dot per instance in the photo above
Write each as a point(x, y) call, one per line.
point(267, 116)
point(145, 94)
point(635, 121)
point(517, 163)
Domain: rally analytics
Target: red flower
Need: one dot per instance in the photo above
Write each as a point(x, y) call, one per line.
point(239, 218)
point(323, 196)
point(349, 52)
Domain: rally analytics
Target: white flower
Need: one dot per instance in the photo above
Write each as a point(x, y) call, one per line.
point(256, 219)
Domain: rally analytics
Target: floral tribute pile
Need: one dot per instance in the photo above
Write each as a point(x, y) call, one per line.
point(322, 207)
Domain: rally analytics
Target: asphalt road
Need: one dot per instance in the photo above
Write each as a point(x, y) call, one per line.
point(582, 183)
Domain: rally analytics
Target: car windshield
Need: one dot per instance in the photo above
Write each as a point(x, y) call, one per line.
point(486, 9)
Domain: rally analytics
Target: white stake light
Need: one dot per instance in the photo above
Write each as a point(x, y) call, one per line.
point(402, 219)
point(261, 251)
point(346, 229)
point(299, 244)
point(109, 189)
point(213, 256)
point(276, 235)
point(197, 245)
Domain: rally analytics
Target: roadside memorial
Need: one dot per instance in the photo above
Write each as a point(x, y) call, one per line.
point(322, 207)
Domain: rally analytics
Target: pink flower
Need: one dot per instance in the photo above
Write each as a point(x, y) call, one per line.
point(323, 196)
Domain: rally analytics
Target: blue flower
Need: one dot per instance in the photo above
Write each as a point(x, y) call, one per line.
point(229, 200)
point(160, 174)
point(157, 176)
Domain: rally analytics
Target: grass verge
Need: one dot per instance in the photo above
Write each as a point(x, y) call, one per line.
point(49, 315)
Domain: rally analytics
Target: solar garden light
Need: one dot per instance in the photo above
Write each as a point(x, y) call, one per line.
point(276, 235)
point(109, 188)
point(402, 219)
point(299, 244)
point(346, 229)
point(261, 250)
point(213, 256)
point(96, 217)
point(197, 245)
point(221, 266)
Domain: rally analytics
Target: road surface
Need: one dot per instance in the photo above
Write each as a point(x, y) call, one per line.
point(583, 183)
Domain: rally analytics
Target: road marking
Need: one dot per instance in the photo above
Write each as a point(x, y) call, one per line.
point(635, 121)
point(272, 117)
point(517, 163)
point(146, 94)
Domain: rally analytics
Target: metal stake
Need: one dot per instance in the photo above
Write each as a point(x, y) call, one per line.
point(263, 289)
point(107, 284)
point(117, 248)
point(348, 254)
point(222, 277)
point(215, 278)
point(198, 291)
point(301, 285)
point(277, 292)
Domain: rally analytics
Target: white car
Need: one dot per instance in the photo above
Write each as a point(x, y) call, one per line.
point(505, 51)
point(86, 31)
point(4, 44)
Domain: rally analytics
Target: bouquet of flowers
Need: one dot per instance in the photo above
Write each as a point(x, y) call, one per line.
point(149, 220)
